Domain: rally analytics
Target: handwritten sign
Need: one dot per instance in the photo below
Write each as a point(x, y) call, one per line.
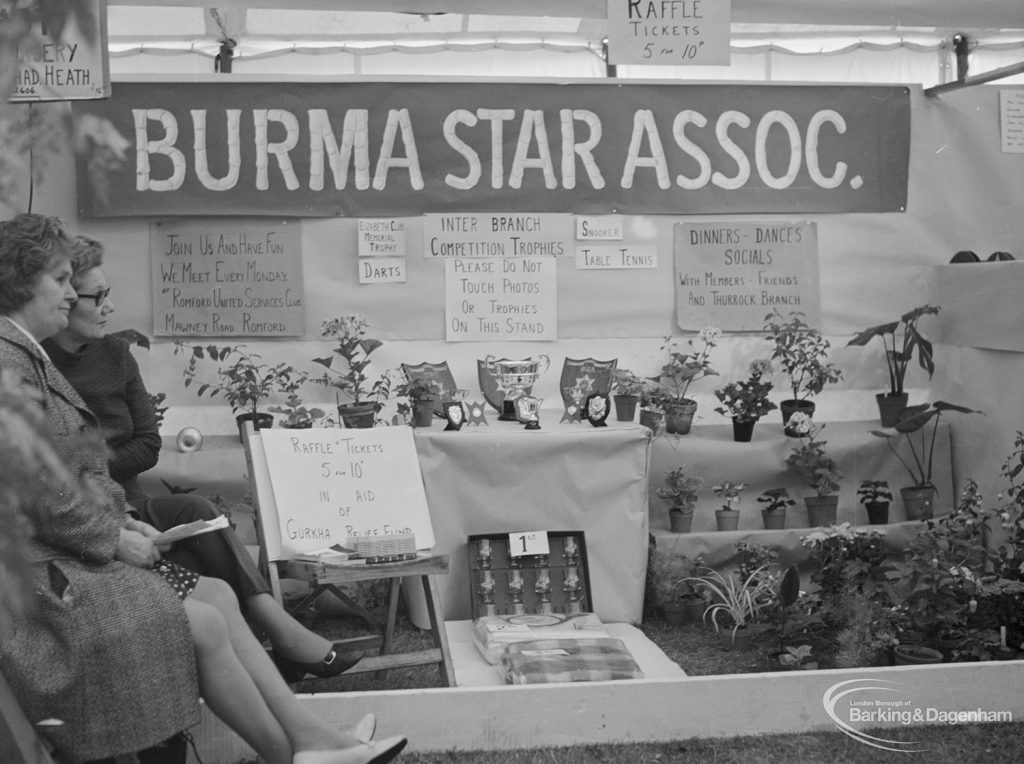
point(381, 237)
point(599, 228)
point(669, 32)
point(497, 235)
point(505, 299)
point(732, 274)
point(329, 485)
point(1011, 120)
point(75, 66)
point(381, 270)
point(222, 278)
point(608, 256)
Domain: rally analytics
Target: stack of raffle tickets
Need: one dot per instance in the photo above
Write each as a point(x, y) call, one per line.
point(540, 648)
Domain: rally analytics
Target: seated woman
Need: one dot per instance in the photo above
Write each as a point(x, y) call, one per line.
point(124, 635)
point(102, 370)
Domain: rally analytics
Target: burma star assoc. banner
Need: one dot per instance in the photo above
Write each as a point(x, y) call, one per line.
point(406, 148)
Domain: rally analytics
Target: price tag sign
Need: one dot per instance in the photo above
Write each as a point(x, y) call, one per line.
point(527, 543)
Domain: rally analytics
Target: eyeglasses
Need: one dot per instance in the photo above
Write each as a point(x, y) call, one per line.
point(99, 297)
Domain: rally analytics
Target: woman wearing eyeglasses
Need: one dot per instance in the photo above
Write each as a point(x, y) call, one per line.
point(104, 372)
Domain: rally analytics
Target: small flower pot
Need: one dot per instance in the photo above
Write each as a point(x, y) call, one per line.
point(625, 407)
point(357, 415)
point(259, 421)
point(918, 503)
point(790, 407)
point(652, 419)
point(727, 519)
point(774, 519)
point(742, 641)
point(890, 407)
point(743, 429)
point(683, 610)
point(680, 519)
point(821, 510)
point(423, 412)
point(878, 512)
point(679, 417)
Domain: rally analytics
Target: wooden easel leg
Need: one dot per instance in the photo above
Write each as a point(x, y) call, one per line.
point(437, 629)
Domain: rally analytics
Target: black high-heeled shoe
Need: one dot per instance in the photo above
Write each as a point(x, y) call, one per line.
point(336, 662)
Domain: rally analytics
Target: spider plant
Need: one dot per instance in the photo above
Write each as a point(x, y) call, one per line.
point(740, 599)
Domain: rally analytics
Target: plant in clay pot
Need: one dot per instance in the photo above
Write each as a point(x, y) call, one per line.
point(243, 378)
point(682, 491)
point(363, 398)
point(678, 373)
point(912, 428)
point(422, 394)
point(902, 341)
point(626, 389)
point(816, 469)
point(802, 353)
point(737, 600)
point(668, 579)
point(775, 501)
point(875, 496)
point(728, 517)
point(747, 401)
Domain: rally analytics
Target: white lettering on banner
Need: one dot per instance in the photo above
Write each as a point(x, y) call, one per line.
point(468, 134)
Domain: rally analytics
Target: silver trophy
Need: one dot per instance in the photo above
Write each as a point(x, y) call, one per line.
point(515, 377)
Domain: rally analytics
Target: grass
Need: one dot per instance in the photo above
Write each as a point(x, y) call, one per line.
point(699, 651)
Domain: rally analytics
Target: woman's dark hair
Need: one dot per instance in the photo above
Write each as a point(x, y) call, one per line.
point(30, 244)
point(86, 254)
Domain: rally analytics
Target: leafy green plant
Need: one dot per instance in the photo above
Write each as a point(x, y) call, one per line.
point(747, 399)
point(738, 599)
point(243, 378)
point(809, 460)
point(625, 382)
point(776, 498)
point(902, 340)
point(682, 369)
point(681, 489)
point(354, 348)
point(911, 427)
point(801, 351)
point(294, 409)
point(729, 493)
point(874, 491)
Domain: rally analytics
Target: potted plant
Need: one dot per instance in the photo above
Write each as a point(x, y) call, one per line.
point(669, 580)
point(776, 500)
point(919, 496)
point(652, 406)
point(626, 389)
point(815, 468)
point(875, 496)
point(296, 415)
point(738, 600)
point(801, 351)
point(682, 491)
point(243, 378)
point(747, 401)
point(678, 373)
point(728, 517)
point(901, 340)
point(422, 394)
point(364, 399)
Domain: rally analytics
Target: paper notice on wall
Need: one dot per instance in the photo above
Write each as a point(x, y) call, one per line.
point(680, 32)
point(497, 235)
point(732, 274)
point(1011, 120)
point(381, 237)
point(509, 298)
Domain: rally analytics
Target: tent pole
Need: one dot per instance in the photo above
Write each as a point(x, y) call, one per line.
point(978, 79)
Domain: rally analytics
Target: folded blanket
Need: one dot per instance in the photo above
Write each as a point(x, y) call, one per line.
point(583, 659)
point(491, 633)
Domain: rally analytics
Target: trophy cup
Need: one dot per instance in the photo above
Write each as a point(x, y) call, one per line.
point(515, 377)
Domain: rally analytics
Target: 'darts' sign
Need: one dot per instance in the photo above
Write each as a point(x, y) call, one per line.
point(732, 275)
point(366, 149)
point(227, 278)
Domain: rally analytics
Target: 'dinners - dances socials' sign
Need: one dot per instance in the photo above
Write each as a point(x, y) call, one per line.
point(405, 148)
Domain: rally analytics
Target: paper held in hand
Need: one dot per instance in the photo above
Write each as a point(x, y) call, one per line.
point(188, 530)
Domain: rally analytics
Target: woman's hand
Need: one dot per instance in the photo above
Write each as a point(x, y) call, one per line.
point(133, 548)
point(146, 530)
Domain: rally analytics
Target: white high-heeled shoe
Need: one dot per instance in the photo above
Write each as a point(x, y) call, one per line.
point(376, 752)
point(365, 728)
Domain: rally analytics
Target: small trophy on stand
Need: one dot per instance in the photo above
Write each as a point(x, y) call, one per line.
point(483, 556)
point(515, 587)
point(543, 585)
point(454, 411)
point(515, 377)
point(572, 585)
